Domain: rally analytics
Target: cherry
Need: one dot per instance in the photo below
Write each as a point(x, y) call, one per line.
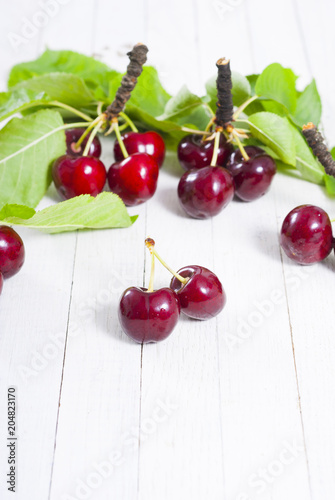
point(306, 234)
point(201, 296)
point(134, 178)
point(72, 137)
point(148, 316)
point(199, 290)
point(252, 177)
point(12, 252)
point(146, 142)
point(75, 176)
point(1, 282)
point(205, 192)
point(194, 152)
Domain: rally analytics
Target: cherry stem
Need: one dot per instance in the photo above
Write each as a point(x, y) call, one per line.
point(193, 131)
point(99, 108)
point(70, 108)
point(150, 244)
point(152, 273)
point(90, 139)
point(240, 146)
point(115, 125)
point(98, 119)
point(243, 106)
point(216, 148)
point(128, 121)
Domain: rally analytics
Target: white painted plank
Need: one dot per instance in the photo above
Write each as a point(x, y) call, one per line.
point(182, 457)
point(259, 395)
point(100, 402)
point(34, 311)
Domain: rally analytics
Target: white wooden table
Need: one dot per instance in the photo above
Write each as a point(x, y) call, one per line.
point(238, 408)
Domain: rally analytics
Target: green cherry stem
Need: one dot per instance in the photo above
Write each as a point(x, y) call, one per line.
point(91, 137)
point(116, 128)
point(128, 121)
point(216, 148)
point(70, 108)
point(240, 146)
point(194, 131)
point(150, 244)
point(152, 273)
point(243, 106)
point(98, 119)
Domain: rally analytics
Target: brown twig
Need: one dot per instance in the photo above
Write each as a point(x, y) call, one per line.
point(225, 108)
point(316, 143)
point(138, 57)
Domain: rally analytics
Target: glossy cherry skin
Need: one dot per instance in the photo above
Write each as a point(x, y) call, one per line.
point(1, 283)
point(193, 152)
point(205, 192)
point(150, 143)
point(306, 234)
point(203, 296)
point(12, 253)
point(252, 177)
point(72, 137)
point(75, 176)
point(134, 178)
point(148, 316)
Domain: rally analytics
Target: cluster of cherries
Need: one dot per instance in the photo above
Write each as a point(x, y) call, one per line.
point(12, 253)
point(133, 176)
point(214, 173)
point(306, 234)
point(148, 315)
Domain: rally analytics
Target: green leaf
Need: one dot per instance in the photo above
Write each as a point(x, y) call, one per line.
point(28, 146)
point(329, 181)
point(275, 132)
point(309, 106)
point(241, 90)
point(211, 91)
point(252, 79)
point(63, 87)
point(309, 167)
point(20, 100)
point(64, 61)
point(278, 83)
point(105, 211)
point(186, 107)
point(332, 152)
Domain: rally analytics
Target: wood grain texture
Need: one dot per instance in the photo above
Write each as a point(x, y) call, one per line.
point(237, 408)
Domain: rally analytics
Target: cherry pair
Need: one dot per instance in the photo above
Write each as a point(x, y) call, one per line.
point(306, 234)
point(12, 253)
point(214, 173)
point(148, 315)
point(133, 178)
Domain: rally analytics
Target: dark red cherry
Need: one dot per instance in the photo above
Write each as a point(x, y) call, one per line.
point(203, 296)
point(1, 282)
point(12, 252)
point(146, 142)
point(193, 152)
point(72, 137)
point(134, 178)
point(75, 176)
point(205, 192)
point(252, 177)
point(306, 234)
point(148, 316)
